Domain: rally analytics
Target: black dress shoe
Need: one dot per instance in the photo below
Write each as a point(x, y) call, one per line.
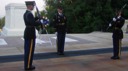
point(115, 57)
point(31, 68)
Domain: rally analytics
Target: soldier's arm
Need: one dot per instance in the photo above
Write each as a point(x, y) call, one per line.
point(54, 21)
point(113, 22)
point(32, 20)
point(65, 18)
point(122, 22)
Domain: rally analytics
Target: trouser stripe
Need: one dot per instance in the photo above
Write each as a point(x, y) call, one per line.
point(119, 48)
point(30, 53)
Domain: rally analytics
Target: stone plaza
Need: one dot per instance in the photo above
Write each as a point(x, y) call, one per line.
point(85, 52)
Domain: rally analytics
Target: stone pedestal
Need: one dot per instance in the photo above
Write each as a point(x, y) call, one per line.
point(125, 27)
point(14, 23)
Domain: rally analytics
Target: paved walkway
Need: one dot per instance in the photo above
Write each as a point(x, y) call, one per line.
point(83, 52)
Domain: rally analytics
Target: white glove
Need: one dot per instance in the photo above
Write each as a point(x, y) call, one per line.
point(118, 17)
point(56, 33)
point(114, 19)
point(110, 24)
point(41, 21)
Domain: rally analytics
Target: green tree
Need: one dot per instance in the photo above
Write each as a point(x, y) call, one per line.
point(2, 22)
point(85, 16)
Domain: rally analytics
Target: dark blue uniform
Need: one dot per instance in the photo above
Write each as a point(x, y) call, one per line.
point(117, 36)
point(60, 22)
point(29, 38)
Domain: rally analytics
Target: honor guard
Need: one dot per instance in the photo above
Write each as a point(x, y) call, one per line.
point(117, 36)
point(29, 35)
point(60, 22)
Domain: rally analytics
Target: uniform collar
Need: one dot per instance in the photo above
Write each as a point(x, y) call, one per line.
point(29, 10)
point(60, 14)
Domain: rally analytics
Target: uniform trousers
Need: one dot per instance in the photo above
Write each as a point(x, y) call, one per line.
point(60, 41)
point(29, 47)
point(117, 47)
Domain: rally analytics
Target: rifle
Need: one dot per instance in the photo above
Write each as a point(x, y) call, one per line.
point(120, 11)
point(38, 13)
point(39, 17)
point(42, 22)
point(123, 7)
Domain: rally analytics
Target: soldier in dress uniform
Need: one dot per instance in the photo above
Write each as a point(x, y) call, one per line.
point(29, 35)
point(117, 36)
point(60, 22)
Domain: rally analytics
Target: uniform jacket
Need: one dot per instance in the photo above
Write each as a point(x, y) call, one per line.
point(60, 22)
point(117, 25)
point(30, 24)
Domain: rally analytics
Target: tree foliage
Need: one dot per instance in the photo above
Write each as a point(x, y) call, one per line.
point(86, 15)
point(2, 22)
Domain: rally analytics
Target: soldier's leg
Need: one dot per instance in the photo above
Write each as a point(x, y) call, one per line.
point(62, 42)
point(31, 54)
point(29, 51)
point(114, 47)
point(117, 48)
point(59, 42)
point(120, 44)
point(26, 52)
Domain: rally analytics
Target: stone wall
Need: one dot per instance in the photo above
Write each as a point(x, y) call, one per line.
point(125, 27)
point(14, 23)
